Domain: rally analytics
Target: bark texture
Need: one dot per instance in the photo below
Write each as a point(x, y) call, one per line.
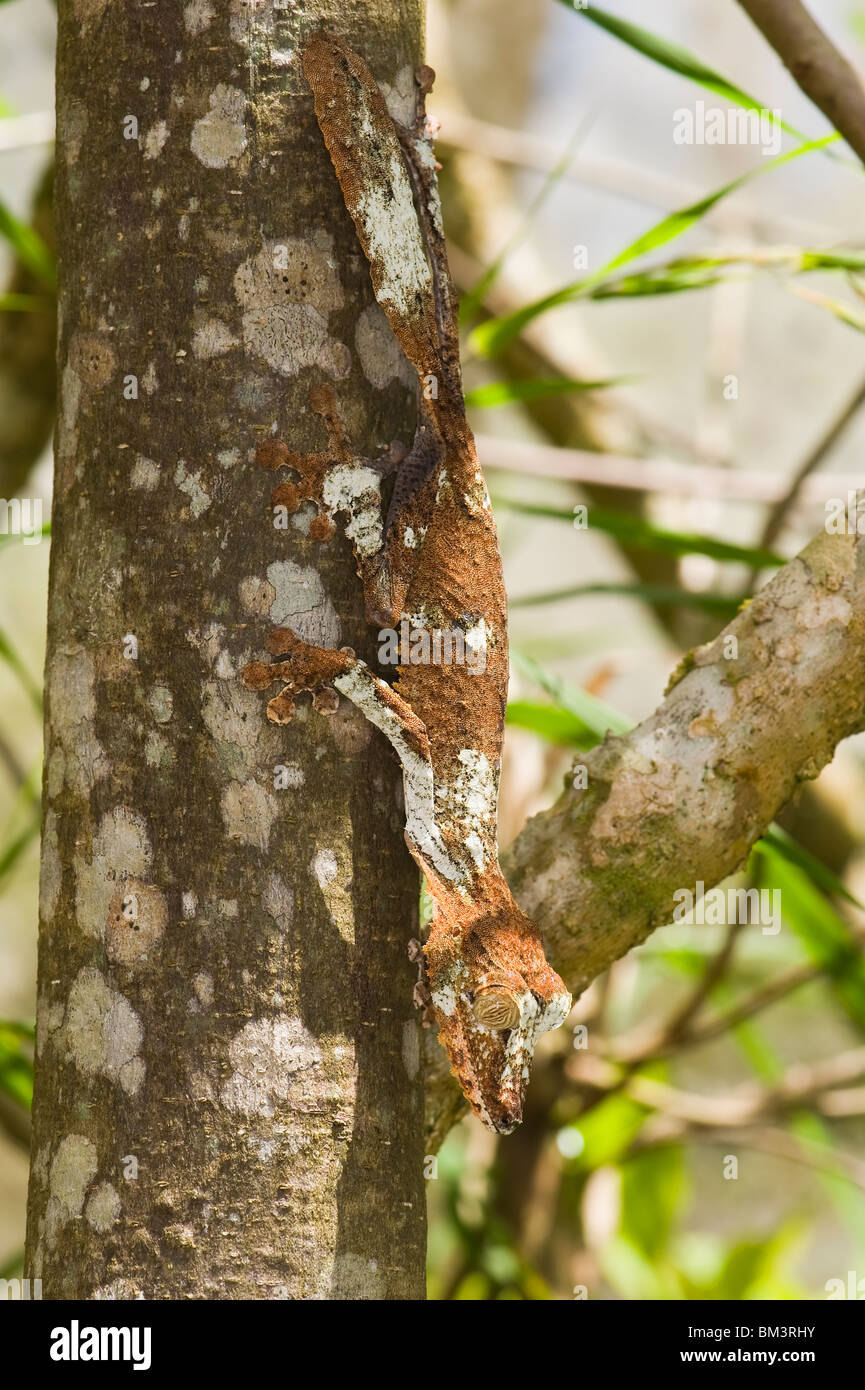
point(747, 719)
point(229, 1081)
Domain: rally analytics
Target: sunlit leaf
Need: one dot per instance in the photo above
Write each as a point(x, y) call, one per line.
point(24, 304)
point(506, 392)
point(701, 272)
point(791, 850)
point(823, 932)
point(592, 712)
point(653, 1188)
point(551, 722)
point(847, 313)
point(676, 59)
point(493, 336)
point(16, 1064)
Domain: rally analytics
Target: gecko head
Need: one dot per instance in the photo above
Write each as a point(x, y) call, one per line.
point(492, 1002)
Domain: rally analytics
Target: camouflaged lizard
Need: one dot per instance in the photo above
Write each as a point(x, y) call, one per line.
point(432, 561)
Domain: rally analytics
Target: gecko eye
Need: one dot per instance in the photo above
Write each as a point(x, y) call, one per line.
point(496, 1008)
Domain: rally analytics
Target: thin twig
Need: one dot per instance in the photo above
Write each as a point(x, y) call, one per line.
point(521, 150)
point(653, 474)
point(809, 465)
point(825, 76)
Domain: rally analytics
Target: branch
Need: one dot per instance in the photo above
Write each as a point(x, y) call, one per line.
point(824, 74)
point(683, 797)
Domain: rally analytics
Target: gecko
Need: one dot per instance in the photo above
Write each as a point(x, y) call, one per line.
point(428, 561)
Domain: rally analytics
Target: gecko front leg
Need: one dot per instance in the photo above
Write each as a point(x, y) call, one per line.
point(337, 481)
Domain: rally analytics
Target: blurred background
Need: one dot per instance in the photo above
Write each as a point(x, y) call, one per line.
point(703, 395)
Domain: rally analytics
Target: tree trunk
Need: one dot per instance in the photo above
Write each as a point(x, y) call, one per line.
point(228, 1088)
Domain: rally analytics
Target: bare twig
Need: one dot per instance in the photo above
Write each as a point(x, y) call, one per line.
point(522, 150)
point(774, 1142)
point(822, 72)
point(809, 465)
point(654, 474)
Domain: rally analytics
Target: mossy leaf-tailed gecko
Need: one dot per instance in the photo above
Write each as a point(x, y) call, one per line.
point(431, 559)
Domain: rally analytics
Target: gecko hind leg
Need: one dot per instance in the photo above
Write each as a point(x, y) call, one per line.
point(337, 481)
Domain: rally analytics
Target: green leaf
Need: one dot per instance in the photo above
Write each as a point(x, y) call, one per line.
point(676, 59)
point(505, 392)
point(15, 664)
point(634, 530)
point(16, 1064)
point(825, 935)
point(652, 1191)
point(28, 246)
point(551, 722)
point(13, 1267)
point(492, 337)
point(667, 595)
point(701, 272)
point(473, 299)
point(25, 304)
point(14, 850)
point(792, 851)
point(590, 711)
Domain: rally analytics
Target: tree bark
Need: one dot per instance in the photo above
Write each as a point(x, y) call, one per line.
point(228, 1086)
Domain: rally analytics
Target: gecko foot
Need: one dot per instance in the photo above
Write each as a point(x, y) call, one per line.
point(334, 479)
point(302, 668)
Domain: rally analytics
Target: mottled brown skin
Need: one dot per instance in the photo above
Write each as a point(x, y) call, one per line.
point(492, 991)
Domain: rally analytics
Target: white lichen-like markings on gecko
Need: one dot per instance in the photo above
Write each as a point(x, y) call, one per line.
point(433, 560)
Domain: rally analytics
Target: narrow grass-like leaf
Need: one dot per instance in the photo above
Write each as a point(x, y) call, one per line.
point(599, 717)
point(633, 530)
point(492, 337)
point(14, 662)
point(28, 246)
point(14, 850)
point(676, 59)
point(552, 723)
point(791, 850)
point(825, 935)
point(16, 1064)
point(506, 392)
point(24, 304)
point(845, 312)
point(666, 595)
point(471, 302)
point(701, 272)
